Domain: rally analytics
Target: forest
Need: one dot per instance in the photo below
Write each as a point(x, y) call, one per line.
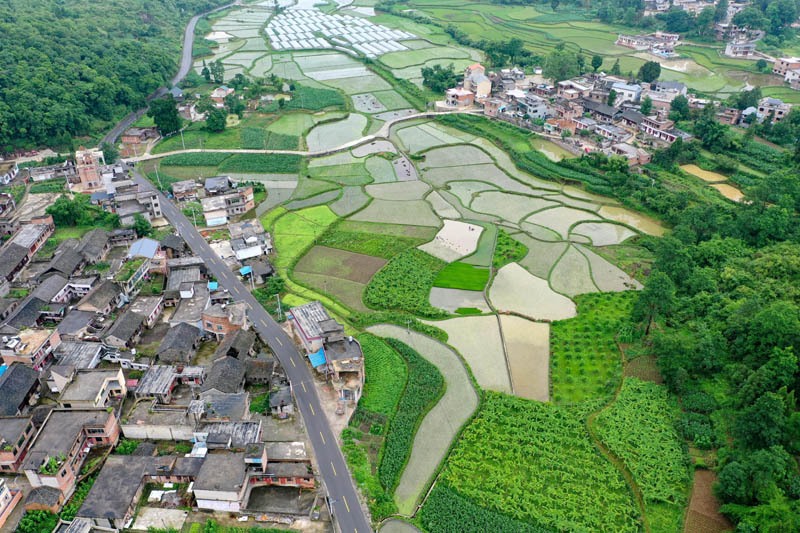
point(70, 67)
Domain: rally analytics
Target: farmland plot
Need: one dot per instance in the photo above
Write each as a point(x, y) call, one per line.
point(633, 219)
point(515, 289)
point(339, 264)
point(441, 206)
point(407, 58)
point(484, 253)
point(415, 139)
point(414, 190)
point(381, 170)
point(404, 170)
point(452, 156)
point(292, 124)
point(374, 147)
point(540, 232)
point(487, 173)
point(455, 240)
point(511, 207)
point(541, 255)
point(319, 199)
point(477, 339)
point(326, 136)
point(603, 233)
point(367, 103)
point(528, 350)
point(465, 191)
point(560, 219)
point(464, 212)
point(572, 275)
point(359, 84)
point(353, 198)
point(606, 276)
point(442, 422)
point(452, 300)
point(391, 100)
point(346, 291)
point(339, 158)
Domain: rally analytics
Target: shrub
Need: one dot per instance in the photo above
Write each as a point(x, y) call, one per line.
point(126, 447)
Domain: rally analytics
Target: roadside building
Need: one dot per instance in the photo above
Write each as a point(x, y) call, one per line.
point(33, 347)
point(179, 344)
point(459, 98)
point(784, 64)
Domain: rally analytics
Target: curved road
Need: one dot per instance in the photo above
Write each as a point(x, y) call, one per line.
point(330, 462)
point(186, 64)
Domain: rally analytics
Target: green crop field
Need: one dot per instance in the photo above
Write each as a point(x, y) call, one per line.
point(584, 359)
point(534, 462)
point(375, 244)
point(404, 283)
point(262, 163)
point(386, 373)
point(462, 276)
point(507, 250)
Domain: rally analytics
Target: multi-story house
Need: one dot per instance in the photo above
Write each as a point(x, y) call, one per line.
point(93, 388)
point(773, 106)
point(32, 346)
point(16, 433)
point(784, 64)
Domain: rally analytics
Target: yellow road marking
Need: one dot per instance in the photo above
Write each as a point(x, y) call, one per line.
point(323, 439)
point(334, 468)
point(312, 409)
point(304, 386)
point(279, 341)
point(345, 503)
point(292, 360)
point(263, 323)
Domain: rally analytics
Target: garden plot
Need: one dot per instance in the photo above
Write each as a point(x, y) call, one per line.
point(633, 219)
point(528, 350)
point(355, 85)
point(404, 169)
point(391, 100)
point(603, 233)
point(414, 190)
point(455, 240)
point(381, 170)
point(441, 206)
point(477, 339)
point(452, 300)
point(516, 290)
point(572, 275)
point(541, 255)
point(319, 199)
point(560, 219)
point(487, 173)
point(511, 207)
point(412, 213)
point(375, 147)
point(453, 156)
point(540, 232)
point(606, 276)
point(340, 264)
point(465, 191)
point(367, 103)
point(292, 124)
point(443, 421)
point(331, 135)
point(352, 199)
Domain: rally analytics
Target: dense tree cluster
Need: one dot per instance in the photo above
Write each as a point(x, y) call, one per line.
point(71, 65)
point(438, 78)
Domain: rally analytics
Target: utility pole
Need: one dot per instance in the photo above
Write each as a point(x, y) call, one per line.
point(159, 178)
point(182, 141)
point(280, 312)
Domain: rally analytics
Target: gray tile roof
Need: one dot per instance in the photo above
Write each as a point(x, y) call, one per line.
point(102, 295)
point(66, 262)
point(178, 343)
point(15, 383)
point(10, 257)
point(221, 472)
point(226, 374)
point(93, 243)
point(49, 287)
point(126, 326)
point(237, 344)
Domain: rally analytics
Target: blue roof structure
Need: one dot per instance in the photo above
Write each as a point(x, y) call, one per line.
point(317, 359)
point(3, 369)
point(144, 248)
point(213, 285)
point(245, 270)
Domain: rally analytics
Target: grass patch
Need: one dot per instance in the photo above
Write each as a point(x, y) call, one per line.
point(314, 99)
point(55, 185)
point(262, 163)
point(584, 359)
point(296, 231)
point(261, 139)
point(507, 250)
point(462, 276)
point(404, 283)
point(377, 245)
point(199, 159)
point(17, 191)
point(466, 311)
point(386, 375)
point(128, 269)
point(260, 404)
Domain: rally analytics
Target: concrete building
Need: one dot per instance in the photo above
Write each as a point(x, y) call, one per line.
point(784, 64)
point(773, 106)
point(740, 49)
point(93, 388)
point(88, 163)
point(459, 98)
point(16, 433)
point(33, 347)
point(312, 325)
point(476, 81)
point(160, 381)
point(221, 320)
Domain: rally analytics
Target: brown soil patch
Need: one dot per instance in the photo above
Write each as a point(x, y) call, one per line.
point(339, 264)
point(703, 515)
point(644, 367)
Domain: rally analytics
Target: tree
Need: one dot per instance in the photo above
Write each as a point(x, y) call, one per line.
point(110, 153)
point(647, 106)
point(762, 424)
point(679, 108)
point(164, 112)
point(615, 70)
point(705, 21)
point(761, 65)
point(142, 226)
point(597, 62)
point(751, 17)
point(234, 105)
point(656, 299)
point(650, 71)
point(581, 62)
point(206, 73)
point(217, 120)
point(612, 96)
point(438, 78)
point(721, 11)
point(678, 20)
point(560, 65)
point(554, 4)
point(217, 71)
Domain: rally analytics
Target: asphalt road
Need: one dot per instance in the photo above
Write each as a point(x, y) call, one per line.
point(186, 64)
point(330, 461)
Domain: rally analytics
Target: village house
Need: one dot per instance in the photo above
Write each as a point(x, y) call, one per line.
point(177, 277)
point(125, 331)
point(784, 64)
point(635, 156)
point(79, 355)
point(65, 170)
point(240, 344)
point(33, 347)
point(157, 421)
point(226, 375)
point(774, 107)
point(612, 133)
point(601, 112)
point(740, 49)
point(16, 433)
point(129, 276)
point(8, 171)
point(185, 190)
point(218, 95)
point(19, 389)
point(194, 298)
point(312, 325)
point(220, 320)
point(534, 106)
point(58, 377)
point(173, 245)
point(60, 447)
point(149, 307)
point(792, 77)
point(160, 381)
point(103, 299)
point(9, 498)
point(23, 245)
point(221, 483)
point(179, 344)
point(573, 89)
point(476, 81)
point(249, 239)
point(663, 130)
point(459, 98)
point(345, 361)
point(93, 388)
point(493, 106)
point(88, 164)
point(138, 135)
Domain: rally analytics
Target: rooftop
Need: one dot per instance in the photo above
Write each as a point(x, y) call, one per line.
point(101, 296)
point(11, 427)
point(221, 405)
point(129, 268)
point(240, 433)
point(87, 384)
point(60, 431)
point(144, 248)
point(29, 234)
point(78, 354)
point(190, 310)
point(145, 305)
point(309, 317)
point(49, 287)
point(182, 275)
point(222, 472)
point(126, 326)
point(226, 375)
point(159, 378)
